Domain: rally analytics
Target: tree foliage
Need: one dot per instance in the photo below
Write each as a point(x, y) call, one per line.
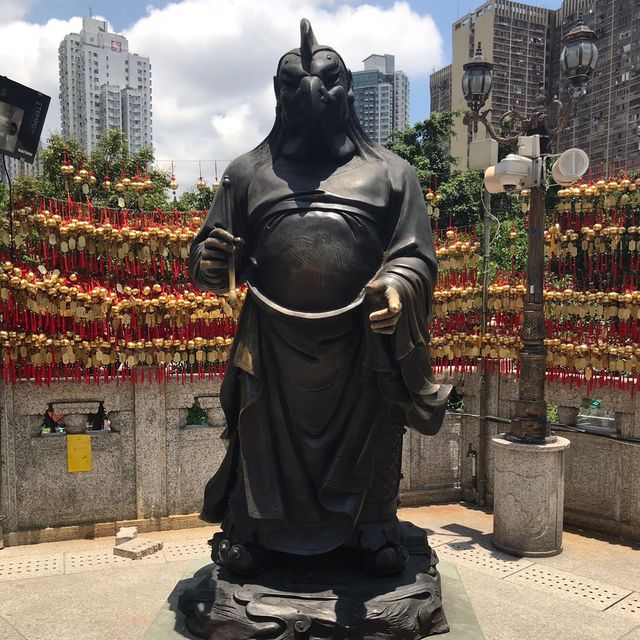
point(425, 147)
point(500, 255)
point(195, 200)
point(4, 197)
point(110, 158)
point(461, 203)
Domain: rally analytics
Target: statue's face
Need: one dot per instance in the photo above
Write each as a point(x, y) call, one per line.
point(313, 93)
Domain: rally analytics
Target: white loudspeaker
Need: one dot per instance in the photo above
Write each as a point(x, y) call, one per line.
point(570, 166)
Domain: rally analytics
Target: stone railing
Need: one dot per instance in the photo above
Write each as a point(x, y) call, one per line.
point(602, 481)
point(151, 465)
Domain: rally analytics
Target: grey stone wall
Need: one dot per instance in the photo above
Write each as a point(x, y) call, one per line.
point(153, 464)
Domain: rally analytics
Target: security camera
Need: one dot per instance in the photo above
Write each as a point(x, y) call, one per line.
point(511, 173)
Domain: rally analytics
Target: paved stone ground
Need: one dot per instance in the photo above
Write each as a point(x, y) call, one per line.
point(79, 589)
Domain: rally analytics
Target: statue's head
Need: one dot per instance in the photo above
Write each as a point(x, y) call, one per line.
point(312, 83)
point(315, 102)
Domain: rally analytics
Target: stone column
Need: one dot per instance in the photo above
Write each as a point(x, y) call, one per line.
point(8, 498)
point(528, 496)
point(151, 449)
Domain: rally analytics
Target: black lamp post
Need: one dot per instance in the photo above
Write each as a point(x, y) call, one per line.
point(578, 60)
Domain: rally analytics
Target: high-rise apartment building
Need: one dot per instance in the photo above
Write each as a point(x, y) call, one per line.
point(607, 119)
point(381, 97)
point(104, 87)
point(524, 44)
point(514, 36)
point(440, 89)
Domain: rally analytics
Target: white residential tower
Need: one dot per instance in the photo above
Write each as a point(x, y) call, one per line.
point(104, 87)
point(381, 97)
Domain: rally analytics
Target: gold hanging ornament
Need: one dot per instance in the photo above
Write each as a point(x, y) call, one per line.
point(432, 212)
point(137, 185)
point(173, 185)
point(216, 182)
point(201, 185)
point(67, 170)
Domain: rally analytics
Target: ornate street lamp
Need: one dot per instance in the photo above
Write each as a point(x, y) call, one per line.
point(476, 81)
point(579, 56)
point(578, 60)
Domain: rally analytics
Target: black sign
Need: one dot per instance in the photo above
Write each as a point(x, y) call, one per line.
point(22, 114)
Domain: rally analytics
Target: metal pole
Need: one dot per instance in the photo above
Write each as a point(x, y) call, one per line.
point(530, 423)
point(481, 482)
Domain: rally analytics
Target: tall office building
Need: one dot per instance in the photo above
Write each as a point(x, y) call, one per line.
point(514, 36)
point(607, 120)
point(440, 89)
point(104, 87)
point(524, 43)
point(381, 97)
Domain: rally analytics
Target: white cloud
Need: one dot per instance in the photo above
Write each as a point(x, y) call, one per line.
point(213, 62)
point(13, 9)
point(29, 55)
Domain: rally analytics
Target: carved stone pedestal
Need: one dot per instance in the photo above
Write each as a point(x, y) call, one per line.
point(528, 497)
point(322, 597)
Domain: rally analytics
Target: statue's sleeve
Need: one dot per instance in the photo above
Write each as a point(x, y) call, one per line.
point(410, 266)
point(227, 210)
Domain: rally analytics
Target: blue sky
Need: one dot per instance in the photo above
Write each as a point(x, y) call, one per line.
point(123, 14)
point(213, 60)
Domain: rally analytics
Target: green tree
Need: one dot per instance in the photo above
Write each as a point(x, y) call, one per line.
point(110, 157)
point(196, 200)
point(424, 147)
point(500, 255)
point(461, 203)
point(51, 181)
point(4, 198)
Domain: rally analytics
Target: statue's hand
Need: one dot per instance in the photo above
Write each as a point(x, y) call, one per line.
point(384, 320)
point(217, 248)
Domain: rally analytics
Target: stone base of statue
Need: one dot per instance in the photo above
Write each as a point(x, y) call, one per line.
point(320, 597)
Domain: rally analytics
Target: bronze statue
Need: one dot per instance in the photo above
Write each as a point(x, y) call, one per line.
point(330, 234)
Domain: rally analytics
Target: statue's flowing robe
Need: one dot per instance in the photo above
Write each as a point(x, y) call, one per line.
point(309, 388)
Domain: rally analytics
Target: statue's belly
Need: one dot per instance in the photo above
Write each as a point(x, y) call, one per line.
point(315, 260)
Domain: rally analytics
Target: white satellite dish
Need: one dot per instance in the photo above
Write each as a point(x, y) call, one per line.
point(570, 166)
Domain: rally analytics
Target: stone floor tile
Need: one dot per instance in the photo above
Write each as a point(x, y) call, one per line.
point(104, 605)
point(36, 566)
point(569, 586)
point(472, 553)
point(510, 611)
point(8, 632)
point(629, 606)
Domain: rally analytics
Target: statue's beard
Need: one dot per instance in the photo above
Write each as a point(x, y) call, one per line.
point(327, 136)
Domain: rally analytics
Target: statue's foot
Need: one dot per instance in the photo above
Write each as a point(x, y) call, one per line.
point(244, 559)
point(386, 561)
